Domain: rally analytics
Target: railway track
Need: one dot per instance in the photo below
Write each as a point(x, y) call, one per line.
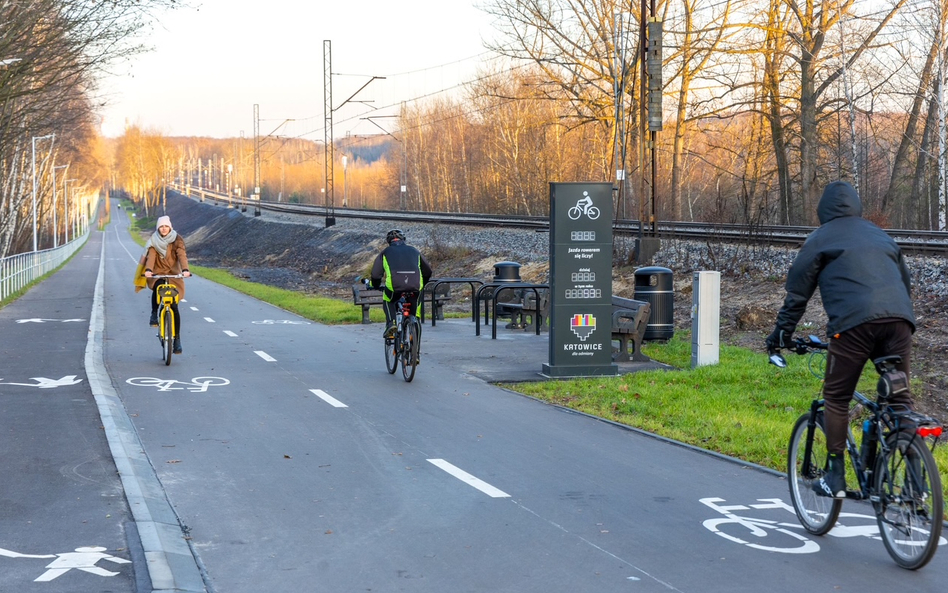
point(913, 242)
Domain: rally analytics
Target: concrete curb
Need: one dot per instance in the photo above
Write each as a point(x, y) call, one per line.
point(170, 561)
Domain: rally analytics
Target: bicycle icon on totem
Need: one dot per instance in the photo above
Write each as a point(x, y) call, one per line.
point(748, 531)
point(583, 206)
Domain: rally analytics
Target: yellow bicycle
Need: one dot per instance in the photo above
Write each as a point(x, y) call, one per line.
point(167, 295)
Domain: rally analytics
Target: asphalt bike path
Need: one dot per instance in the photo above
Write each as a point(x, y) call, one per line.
point(288, 459)
point(64, 522)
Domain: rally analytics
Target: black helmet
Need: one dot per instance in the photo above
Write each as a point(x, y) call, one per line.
point(394, 234)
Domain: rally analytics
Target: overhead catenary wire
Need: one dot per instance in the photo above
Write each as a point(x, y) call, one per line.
point(410, 100)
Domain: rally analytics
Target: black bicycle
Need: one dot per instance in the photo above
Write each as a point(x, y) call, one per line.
point(406, 344)
point(894, 466)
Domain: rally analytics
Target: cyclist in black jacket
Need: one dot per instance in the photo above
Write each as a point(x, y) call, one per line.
point(866, 292)
point(403, 269)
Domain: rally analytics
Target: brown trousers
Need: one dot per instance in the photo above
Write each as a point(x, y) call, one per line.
point(848, 353)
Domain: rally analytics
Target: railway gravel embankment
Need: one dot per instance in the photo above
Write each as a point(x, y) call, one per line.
point(299, 253)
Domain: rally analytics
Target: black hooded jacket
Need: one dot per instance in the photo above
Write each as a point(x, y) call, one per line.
point(859, 269)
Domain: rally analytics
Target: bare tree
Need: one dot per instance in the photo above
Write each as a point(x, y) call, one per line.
point(51, 55)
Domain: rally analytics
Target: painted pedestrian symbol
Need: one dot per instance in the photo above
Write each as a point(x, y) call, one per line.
point(84, 559)
point(44, 383)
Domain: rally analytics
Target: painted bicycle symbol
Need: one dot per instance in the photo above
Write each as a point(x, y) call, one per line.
point(857, 525)
point(758, 527)
point(280, 322)
point(197, 384)
point(583, 206)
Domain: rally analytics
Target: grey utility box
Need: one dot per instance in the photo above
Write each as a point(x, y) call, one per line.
point(705, 318)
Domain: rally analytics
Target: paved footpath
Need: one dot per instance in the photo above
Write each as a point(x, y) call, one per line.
point(64, 522)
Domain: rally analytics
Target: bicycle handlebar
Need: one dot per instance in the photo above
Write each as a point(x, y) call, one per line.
point(167, 276)
point(798, 345)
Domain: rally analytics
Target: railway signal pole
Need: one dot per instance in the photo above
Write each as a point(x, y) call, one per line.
point(650, 122)
point(327, 131)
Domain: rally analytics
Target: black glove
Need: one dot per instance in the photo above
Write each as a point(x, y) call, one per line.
point(779, 339)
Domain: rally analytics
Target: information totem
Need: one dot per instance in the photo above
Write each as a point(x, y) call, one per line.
point(580, 280)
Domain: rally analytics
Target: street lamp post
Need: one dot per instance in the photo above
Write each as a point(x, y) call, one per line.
point(55, 224)
point(35, 138)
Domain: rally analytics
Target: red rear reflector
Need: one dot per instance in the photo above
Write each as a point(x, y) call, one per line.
point(929, 431)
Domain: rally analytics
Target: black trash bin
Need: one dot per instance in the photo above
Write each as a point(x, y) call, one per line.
point(506, 271)
point(653, 285)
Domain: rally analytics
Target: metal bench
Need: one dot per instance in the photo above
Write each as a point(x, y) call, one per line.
point(366, 297)
point(629, 321)
point(506, 306)
point(523, 313)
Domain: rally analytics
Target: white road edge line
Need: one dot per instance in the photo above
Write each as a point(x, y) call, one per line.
point(230, 333)
point(171, 561)
point(469, 479)
point(328, 398)
point(264, 355)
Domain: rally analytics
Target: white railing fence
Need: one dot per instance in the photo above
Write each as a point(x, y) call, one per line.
point(17, 271)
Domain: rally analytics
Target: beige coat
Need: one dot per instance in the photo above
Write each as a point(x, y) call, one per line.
point(174, 262)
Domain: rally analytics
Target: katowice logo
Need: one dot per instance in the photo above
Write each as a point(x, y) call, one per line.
point(583, 325)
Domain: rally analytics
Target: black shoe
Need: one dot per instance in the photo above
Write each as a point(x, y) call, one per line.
point(389, 333)
point(176, 348)
point(833, 482)
point(153, 320)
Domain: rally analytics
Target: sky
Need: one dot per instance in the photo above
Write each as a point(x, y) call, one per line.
point(209, 66)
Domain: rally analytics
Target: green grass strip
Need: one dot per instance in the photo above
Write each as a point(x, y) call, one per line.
point(322, 309)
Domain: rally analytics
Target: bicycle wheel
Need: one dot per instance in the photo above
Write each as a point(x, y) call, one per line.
point(410, 349)
point(909, 505)
point(816, 513)
point(167, 320)
point(391, 355)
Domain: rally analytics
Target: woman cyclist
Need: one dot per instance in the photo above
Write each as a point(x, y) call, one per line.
point(166, 255)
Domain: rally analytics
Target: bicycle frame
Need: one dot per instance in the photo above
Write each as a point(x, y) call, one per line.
point(167, 295)
point(886, 421)
point(164, 304)
point(404, 346)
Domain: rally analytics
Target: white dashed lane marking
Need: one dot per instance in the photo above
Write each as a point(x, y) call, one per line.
point(469, 479)
point(328, 398)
